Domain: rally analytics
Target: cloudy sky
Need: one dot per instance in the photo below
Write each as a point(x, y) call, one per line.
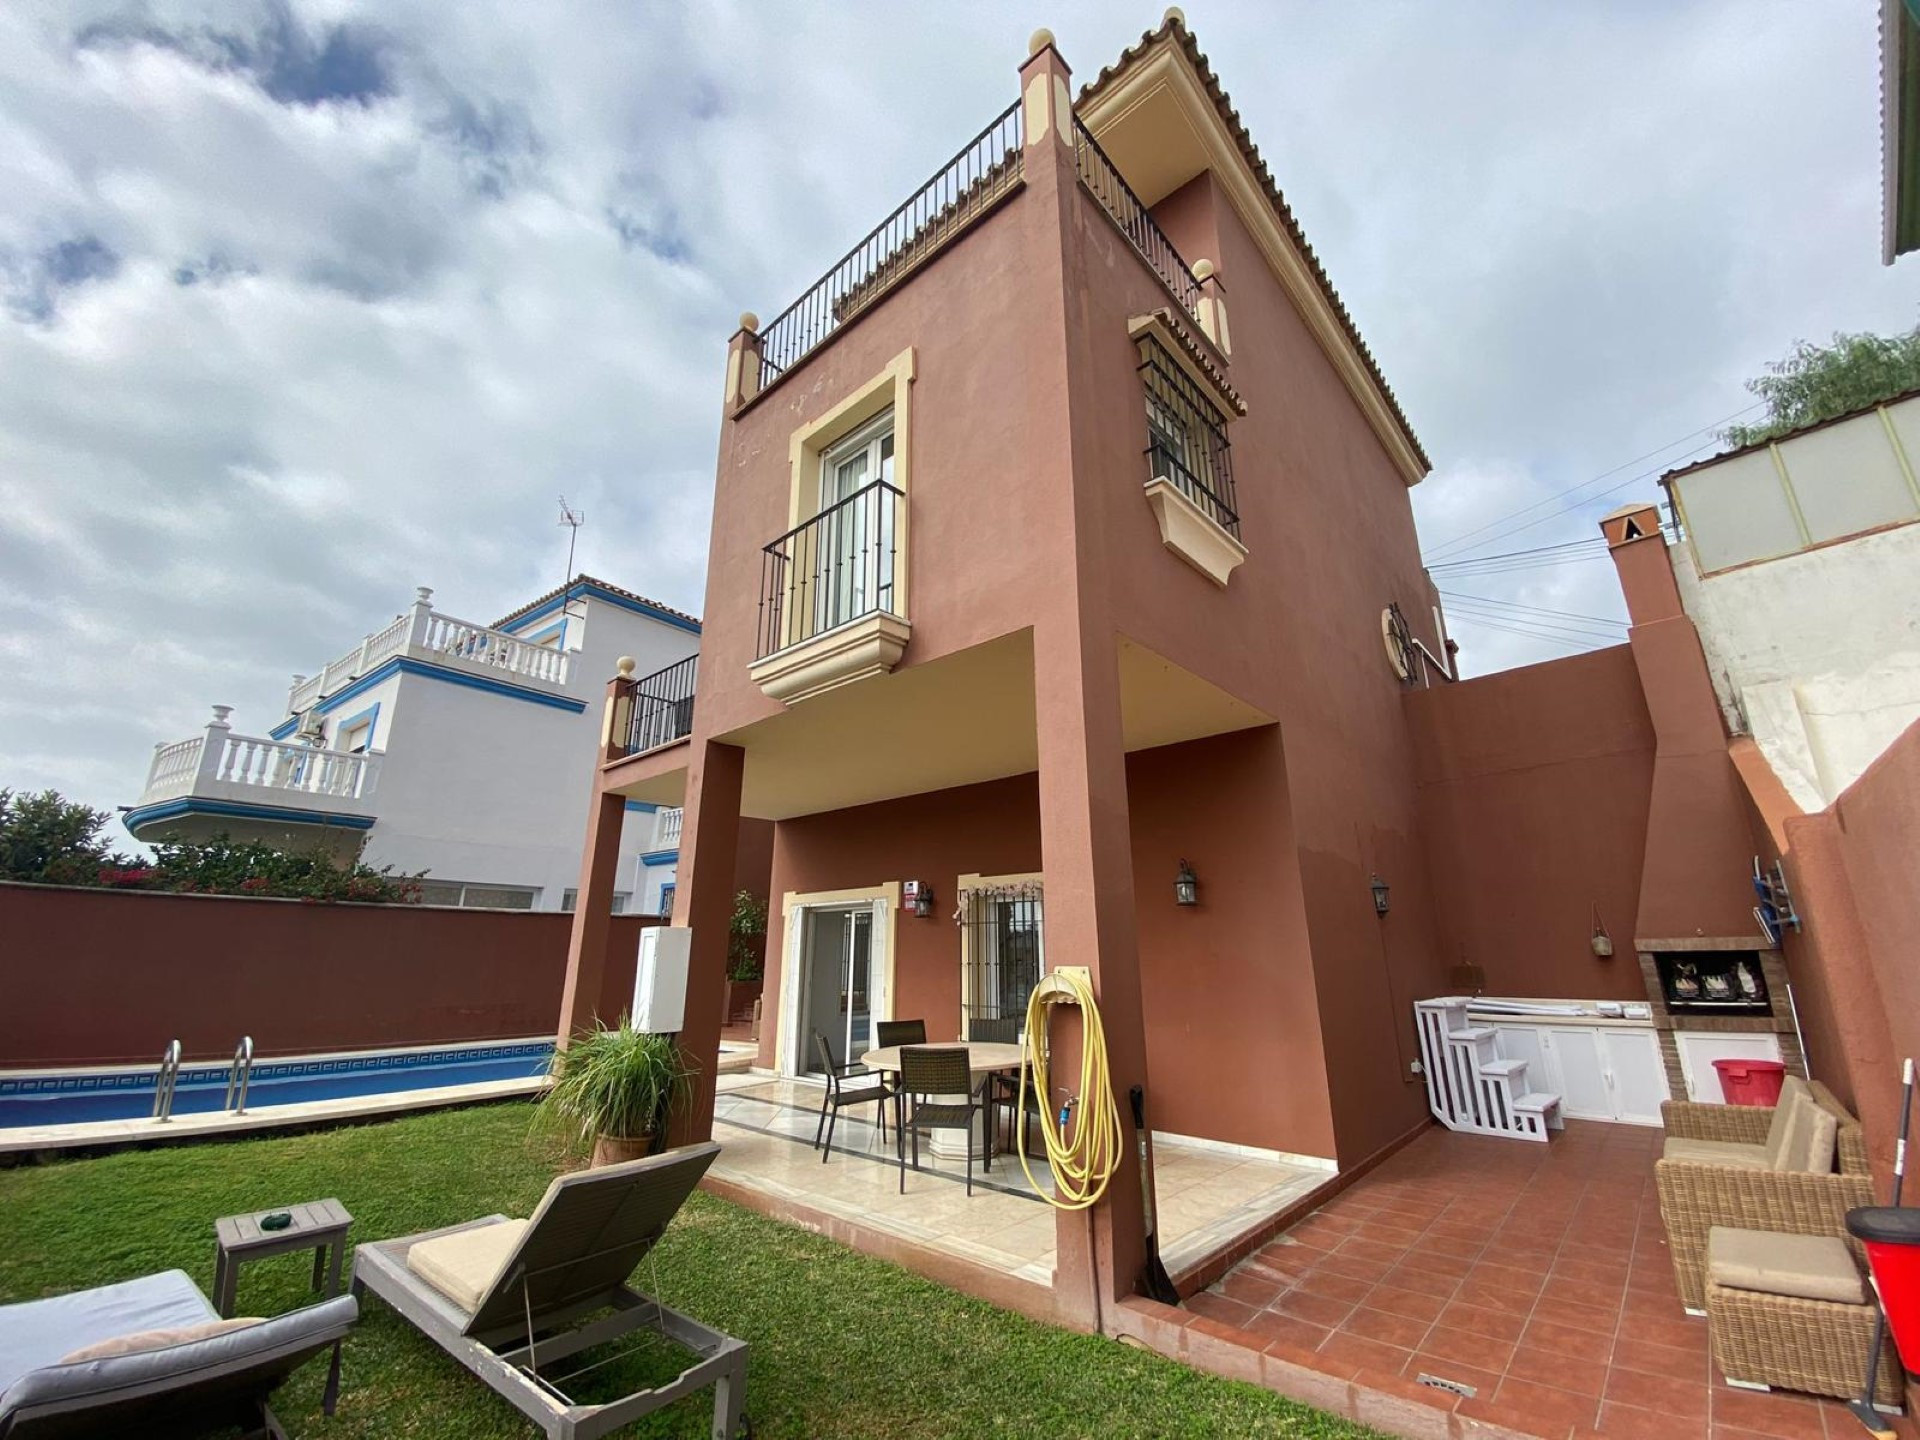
point(304, 304)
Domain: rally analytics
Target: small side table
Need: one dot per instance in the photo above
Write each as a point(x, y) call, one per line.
point(320, 1226)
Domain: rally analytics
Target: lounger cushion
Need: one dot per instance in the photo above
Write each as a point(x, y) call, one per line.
point(40, 1332)
point(155, 1339)
point(462, 1266)
point(1717, 1152)
point(1794, 1093)
point(1810, 1267)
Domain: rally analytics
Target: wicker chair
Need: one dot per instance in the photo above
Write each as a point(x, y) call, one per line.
point(888, 1033)
point(839, 1095)
point(937, 1070)
point(1694, 1196)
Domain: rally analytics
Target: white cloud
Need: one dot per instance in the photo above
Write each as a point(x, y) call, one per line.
point(351, 291)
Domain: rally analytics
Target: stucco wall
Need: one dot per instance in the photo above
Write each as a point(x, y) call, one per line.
point(109, 977)
point(1815, 654)
point(1534, 792)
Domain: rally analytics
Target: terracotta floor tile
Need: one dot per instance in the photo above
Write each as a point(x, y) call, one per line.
point(1425, 1281)
point(1468, 1347)
point(1580, 1342)
point(1538, 1402)
point(1542, 1366)
point(1364, 1247)
point(1415, 1303)
point(1495, 1324)
point(1657, 1392)
point(1334, 1286)
point(1356, 1350)
point(1272, 1325)
point(1780, 1417)
point(1354, 1265)
point(1476, 1289)
point(1451, 1265)
point(1319, 1309)
point(1253, 1288)
point(1623, 1422)
point(1219, 1307)
point(1383, 1325)
point(1680, 1332)
point(1633, 1353)
point(1602, 1319)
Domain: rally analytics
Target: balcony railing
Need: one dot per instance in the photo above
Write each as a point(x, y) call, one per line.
point(434, 635)
point(666, 827)
point(663, 706)
point(215, 763)
point(832, 569)
point(1105, 183)
point(960, 191)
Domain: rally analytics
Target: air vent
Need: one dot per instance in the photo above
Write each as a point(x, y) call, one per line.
point(1452, 1387)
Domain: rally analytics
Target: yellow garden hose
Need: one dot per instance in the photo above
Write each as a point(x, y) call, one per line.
point(1083, 1165)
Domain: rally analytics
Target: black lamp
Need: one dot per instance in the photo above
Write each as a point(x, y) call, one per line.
point(1186, 886)
point(1379, 888)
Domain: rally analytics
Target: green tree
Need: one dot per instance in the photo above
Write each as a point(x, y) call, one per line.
point(1818, 382)
point(747, 938)
point(50, 840)
point(221, 865)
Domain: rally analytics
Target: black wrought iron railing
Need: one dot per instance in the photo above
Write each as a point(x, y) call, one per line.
point(836, 567)
point(1187, 439)
point(1105, 183)
point(663, 706)
point(962, 189)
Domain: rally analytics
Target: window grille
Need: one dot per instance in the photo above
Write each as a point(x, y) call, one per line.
point(1186, 437)
point(1002, 949)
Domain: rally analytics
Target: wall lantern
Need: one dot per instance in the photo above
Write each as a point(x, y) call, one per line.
point(918, 895)
point(1601, 942)
point(1379, 888)
point(1186, 886)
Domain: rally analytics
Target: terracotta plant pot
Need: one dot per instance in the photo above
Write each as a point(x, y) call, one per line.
point(618, 1149)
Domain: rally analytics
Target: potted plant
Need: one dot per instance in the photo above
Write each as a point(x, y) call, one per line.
point(746, 955)
point(617, 1087)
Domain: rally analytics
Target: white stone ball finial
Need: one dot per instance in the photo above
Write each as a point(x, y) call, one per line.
point(749, 322)
point(625, 666)
point(1203, 269)
point(1039, 40)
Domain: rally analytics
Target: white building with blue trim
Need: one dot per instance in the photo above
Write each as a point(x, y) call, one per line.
point(435, 744)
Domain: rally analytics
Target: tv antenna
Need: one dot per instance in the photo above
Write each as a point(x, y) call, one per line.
point(573, 519)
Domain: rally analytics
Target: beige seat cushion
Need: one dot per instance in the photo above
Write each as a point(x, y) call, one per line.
point(1809, 1143)
point(462, 1266)
point(1794, 1092)
point(1810, 1267)
point(1717, 1152)
point(155, 1339)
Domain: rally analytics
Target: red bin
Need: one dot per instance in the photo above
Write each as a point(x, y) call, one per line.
point(1751, 1082)
point(1892, 1237)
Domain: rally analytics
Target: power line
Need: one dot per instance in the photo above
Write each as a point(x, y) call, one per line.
point(1447, 546)
point(1507, 567)
point(1546, 629)
point(1541, 609)
point(1589, 642)
point(1591, 543)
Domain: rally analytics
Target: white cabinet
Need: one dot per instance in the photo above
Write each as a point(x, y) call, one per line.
point(1600, 1072)
point(1700, 1048)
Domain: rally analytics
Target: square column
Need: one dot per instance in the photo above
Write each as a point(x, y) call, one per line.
point(703, 901)
point(599, 873)
point(1087, 860)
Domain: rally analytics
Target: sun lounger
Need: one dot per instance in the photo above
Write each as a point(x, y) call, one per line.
point(164, 1362)
point(507, 1298)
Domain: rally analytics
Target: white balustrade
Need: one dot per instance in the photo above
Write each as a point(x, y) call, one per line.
point(463, 640)
point(173, 769)
point(666, 827)
point(222, 759)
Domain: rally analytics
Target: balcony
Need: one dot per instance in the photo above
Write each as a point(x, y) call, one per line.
point(667, 823)
point(254, 786)
point(662, 707)
point(830, 598)
point(424, 634)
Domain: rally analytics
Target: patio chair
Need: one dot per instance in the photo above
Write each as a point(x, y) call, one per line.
point(838, 1094)
point(1754, 1185)
point(1002, 1089)
point(152, 1357)
point(888, 1033)
point(505, 1297)
point(927, 1070)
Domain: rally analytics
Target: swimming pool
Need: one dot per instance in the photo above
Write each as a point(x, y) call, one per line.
point(68, 1097)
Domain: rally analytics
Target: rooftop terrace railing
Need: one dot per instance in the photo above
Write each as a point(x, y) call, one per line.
point(1105, 183)
point(963, 189)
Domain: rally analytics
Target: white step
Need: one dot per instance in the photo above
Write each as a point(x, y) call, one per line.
point(1472, 1035)
point(1535, 1100)
point(1508, 1068)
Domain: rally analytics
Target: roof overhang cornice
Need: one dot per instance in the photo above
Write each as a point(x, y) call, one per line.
point(1164, 73)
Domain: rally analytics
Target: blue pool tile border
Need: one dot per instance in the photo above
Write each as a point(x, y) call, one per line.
point(24, 1087)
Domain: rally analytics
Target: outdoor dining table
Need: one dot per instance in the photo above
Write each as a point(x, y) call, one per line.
point(984, 1057)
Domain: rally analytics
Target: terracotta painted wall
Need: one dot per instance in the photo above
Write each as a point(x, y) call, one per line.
point(1233, 1037)
point(109, 977)
point(1534, 793)
point(1233, 1028)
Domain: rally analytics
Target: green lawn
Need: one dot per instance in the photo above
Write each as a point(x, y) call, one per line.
point(842, 1345)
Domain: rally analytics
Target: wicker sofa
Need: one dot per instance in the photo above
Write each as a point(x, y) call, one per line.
point(1696, 1195)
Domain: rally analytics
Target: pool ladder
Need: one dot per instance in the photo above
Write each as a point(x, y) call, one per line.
point(239, 1077)
point(165, 1081)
